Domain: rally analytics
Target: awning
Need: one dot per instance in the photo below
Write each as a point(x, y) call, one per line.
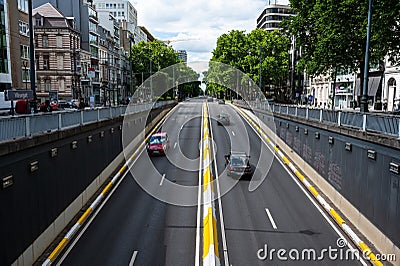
point(373, 85)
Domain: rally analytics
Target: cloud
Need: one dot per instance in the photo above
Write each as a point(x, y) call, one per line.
point(201, 21)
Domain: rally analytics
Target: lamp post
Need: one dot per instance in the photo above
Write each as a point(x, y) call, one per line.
point(364, 97)
point(151, 80)
point(260, 85)
point(31, 51)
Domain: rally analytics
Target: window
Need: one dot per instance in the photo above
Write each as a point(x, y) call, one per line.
point(47, 84)
point(38, 22)
point(45, 41)
point(119, 5)
point(23, 28)
point(37, 61)
point(123, 13)
point(60, 62)
point(115, 6)
point(107, 5)
point(122, 5)
point(46, 63)
point(119, 13)
point(23, 5)
point(24, 51)
point(61, 85)
point(59, 41)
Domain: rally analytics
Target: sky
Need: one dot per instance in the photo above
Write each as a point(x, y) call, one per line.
point(201, 21)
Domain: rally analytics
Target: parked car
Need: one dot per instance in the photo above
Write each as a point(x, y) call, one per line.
point(221, 101)
point(158, 144)
point(66, 105)
point(48, 106)
point(238, 164)
point(223, 119)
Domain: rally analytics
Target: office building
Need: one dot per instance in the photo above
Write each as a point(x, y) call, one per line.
point(272, 15)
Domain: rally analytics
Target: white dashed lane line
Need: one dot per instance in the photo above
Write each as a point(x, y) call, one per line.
point(271, 219)
point(132, 262)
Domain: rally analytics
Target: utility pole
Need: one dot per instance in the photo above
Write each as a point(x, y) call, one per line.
point(260, 69)
point(364, 97)
point(32, 53)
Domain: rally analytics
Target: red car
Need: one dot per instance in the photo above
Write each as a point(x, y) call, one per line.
point(158, 144)
point(48, 107)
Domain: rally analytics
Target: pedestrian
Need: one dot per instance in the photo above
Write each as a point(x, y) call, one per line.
point(385, 105)
point(81, 104)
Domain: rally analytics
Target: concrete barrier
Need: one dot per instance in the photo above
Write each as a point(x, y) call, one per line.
point(34, 251)
point(261, 129)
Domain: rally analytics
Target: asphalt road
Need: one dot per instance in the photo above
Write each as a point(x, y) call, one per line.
point(295, 224)
point(135, 226)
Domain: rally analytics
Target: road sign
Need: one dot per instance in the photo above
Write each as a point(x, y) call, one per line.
point(91, 72)
point(11, 95)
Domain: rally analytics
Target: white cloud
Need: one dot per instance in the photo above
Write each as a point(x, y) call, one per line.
point(201, 20)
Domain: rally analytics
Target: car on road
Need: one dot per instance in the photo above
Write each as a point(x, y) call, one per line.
point(223, 120)
point(67, 105)
point(158, 144)
point(48, 107)
point(221, 101)
point(238, 164)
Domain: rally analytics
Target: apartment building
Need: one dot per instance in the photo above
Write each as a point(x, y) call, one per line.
point(5, 64)
point(57, 46)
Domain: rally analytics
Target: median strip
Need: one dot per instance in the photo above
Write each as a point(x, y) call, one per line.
point(338, 219)
point(210, 236)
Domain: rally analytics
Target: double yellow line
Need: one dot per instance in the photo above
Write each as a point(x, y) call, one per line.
point(210, 235)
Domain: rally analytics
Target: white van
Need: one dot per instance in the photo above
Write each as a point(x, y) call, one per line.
point(5, 106)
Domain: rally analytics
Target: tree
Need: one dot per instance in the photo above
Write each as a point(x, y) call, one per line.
point(332, 34)
point(160, 55)
point(243, 52)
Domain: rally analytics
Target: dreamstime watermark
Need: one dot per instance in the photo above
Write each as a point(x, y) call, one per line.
point(339, 253)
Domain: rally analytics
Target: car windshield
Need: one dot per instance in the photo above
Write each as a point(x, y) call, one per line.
point(157, 140)
point(239, 161)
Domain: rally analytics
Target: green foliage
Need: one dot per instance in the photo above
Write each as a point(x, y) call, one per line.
point(243, 51)
point(161, 57)
point(332, 34)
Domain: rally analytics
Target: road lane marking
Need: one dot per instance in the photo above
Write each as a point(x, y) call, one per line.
point(271, 219)
point(162, 179)
point(133, 258)
point(221, 215)
point(233, 133)
point(197, 254)
point(312, 199)
point(175, 145)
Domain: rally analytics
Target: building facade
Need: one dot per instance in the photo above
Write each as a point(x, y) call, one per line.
point(86, 19)
point(5, 64)
point(272, 15)
point(57, 46)
point(120, 9)
point(391, 86)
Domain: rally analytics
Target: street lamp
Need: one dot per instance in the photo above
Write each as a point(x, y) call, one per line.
point(364, 97)
point(261, 50)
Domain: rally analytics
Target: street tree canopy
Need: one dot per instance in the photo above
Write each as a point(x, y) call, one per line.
point(332, 34)
point(243, 52)
point(166, 68)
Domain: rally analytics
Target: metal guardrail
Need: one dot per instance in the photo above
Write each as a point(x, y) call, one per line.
point(13, 127)
point(373, 122)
